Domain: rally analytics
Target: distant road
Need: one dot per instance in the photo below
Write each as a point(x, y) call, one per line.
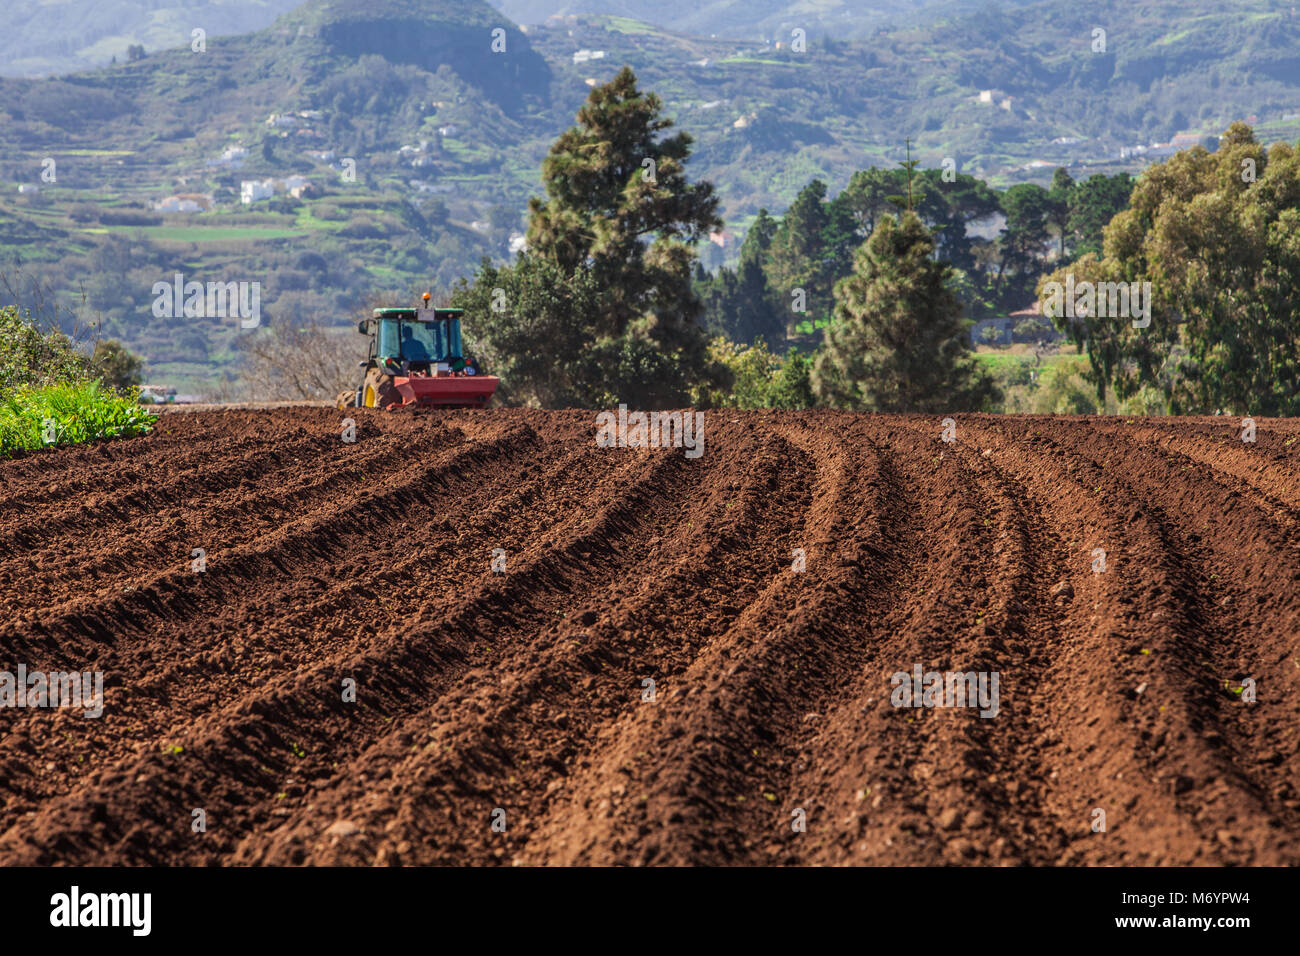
point(232, 406)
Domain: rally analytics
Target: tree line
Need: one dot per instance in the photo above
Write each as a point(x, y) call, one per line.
point(864, 300)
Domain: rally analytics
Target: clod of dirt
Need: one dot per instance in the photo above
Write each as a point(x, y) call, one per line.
point(1062, 591)
point(342, 828)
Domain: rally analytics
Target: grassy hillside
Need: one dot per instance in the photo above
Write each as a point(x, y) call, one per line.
point(422, 143)
point(748, 19)
point(60, 36)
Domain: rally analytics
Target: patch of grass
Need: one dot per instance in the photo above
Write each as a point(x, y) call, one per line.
point(203, 233)
point(69, 414)
point(763, 61)
point(628, 25)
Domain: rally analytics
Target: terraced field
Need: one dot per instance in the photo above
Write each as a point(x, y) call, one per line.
point(566, 654)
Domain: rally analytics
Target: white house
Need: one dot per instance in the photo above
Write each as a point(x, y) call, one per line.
point(251, 191)
point(184, 202)
point(582, 56)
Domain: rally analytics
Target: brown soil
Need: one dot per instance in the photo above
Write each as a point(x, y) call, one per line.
point(523, 691)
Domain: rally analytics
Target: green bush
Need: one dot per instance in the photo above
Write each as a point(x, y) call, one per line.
point(759, 379)
point(31, 357)
point(1063, 389)
point(115, 365)
point(68, 413)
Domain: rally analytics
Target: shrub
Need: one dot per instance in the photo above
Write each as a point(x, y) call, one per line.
point(29, 356)
point(67, 413)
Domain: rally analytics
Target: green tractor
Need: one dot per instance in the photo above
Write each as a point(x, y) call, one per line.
point(416, 360)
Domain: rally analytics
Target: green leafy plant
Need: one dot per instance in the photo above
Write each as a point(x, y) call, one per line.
point(68, 413)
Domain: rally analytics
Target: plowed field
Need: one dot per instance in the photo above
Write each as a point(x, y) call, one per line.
point(506, 716)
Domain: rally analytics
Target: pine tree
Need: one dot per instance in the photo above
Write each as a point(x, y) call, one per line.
point(898, 342)
point(797, 251)
point(620, 212)
point(738, 303)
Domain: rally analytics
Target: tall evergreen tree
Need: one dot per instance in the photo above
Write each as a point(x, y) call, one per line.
point(758, 240)
point(1059, 199)
point(898, 342)
point(620, 211)
point(1093, 203)
point(1023, 241)
point(739, 303)
point(797, 252)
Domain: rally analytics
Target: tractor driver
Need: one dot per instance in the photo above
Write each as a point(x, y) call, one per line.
point(413, 349)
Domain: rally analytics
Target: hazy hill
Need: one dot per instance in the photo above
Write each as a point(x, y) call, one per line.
point(445, 136)
point(62, 36)
point(750, 19)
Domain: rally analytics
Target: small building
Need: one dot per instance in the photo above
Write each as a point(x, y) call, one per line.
point(251, 191)
point(29, 189)
point(184, 202)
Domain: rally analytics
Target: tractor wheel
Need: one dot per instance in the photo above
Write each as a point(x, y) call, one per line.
point(379, 390)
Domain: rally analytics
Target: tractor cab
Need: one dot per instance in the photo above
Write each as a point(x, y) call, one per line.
point(421, 340)
point(416, 358)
